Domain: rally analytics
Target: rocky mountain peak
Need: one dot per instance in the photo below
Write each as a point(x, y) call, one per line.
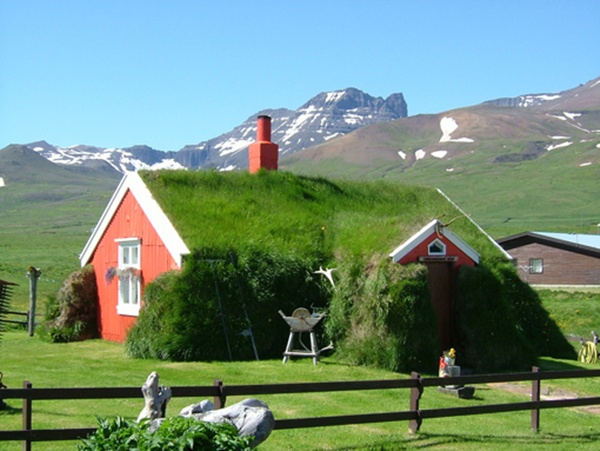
point(325, 116)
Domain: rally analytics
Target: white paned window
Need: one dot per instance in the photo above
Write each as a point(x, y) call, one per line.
point(436, 247)
point(129, 277)
point(536, 265)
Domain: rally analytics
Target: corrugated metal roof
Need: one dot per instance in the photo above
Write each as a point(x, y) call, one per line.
point(576, 239)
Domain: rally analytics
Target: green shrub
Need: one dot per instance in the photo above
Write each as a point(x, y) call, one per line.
point(177, 433)
point(489, 337)
point(153, 329)
point(380, 315)
point(72, 314)
point(207, 311)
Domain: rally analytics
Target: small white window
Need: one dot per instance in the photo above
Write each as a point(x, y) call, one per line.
point(129, 277)
point(536, 265)
point(436, 247)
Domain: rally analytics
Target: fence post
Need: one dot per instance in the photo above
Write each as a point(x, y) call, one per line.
point(219, 400)
point(415, 396)
point(27, 416)
point(535, 397)
point(33, 274)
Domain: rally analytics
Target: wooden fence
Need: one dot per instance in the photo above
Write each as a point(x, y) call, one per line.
point(220, 392)
point(13, 319)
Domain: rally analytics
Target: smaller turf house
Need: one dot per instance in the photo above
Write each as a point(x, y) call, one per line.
point(195, 265)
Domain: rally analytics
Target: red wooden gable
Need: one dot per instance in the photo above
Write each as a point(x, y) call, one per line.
point(129, 221)
point(434, 242)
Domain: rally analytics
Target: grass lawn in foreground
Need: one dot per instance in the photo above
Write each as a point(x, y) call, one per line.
point(98, 363)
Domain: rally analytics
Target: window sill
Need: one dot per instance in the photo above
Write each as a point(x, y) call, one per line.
point(128, 309)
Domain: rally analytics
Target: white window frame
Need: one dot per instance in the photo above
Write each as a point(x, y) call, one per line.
point(438, 242)
point(130, 256)
point(536, 266)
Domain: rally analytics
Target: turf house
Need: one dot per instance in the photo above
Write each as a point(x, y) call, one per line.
point(195, 265)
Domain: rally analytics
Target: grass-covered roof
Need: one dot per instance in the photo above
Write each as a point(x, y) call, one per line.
point(281, 211)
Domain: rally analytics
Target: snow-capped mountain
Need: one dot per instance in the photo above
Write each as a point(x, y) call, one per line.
point(120, 160)
point(526, 101)
point(325, 116)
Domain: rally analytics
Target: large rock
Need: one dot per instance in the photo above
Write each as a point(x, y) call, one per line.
point(251, 417)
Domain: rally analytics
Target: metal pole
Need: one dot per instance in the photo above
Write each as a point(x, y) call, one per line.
point(33, 274)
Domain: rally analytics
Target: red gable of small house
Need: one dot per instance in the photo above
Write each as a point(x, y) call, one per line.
point(442, 252)
point(432, 243)
point(132, 244)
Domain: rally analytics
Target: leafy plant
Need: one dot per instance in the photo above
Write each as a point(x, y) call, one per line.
point(489, 336)
point(71, 315)
point(382, 317)
point(209, 310)
point(174, 433)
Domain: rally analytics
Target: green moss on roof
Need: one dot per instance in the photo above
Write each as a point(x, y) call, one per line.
point(281, 211)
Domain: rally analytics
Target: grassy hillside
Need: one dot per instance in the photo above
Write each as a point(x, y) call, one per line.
point(47, 214)
point(513, 169)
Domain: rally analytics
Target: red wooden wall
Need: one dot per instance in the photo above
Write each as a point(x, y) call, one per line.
point(128, 222)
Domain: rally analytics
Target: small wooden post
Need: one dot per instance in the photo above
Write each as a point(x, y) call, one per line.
point(415, 396)
point(220, 399)
point(27, 416)
point(535, 397)
point(33, 274)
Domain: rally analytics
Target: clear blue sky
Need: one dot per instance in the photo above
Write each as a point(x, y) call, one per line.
point(166, 73)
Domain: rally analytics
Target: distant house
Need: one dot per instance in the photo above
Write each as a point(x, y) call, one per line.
point(555, 259)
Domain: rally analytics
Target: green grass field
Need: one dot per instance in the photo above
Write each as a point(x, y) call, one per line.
point(49, 231)
point(99, 363)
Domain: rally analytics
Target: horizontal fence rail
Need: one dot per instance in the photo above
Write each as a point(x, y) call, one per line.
point(9, 318)
point(219, 392)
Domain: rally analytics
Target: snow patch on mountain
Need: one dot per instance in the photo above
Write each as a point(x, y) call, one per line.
point(571, 116)
point(570, 119)
point(335, 135)
point(532, 100)
point(2, 182)
point(449, 126)
point(525, 101)
point(232, 146)
point(333, 96)
point(558, 146)
point(439, 154)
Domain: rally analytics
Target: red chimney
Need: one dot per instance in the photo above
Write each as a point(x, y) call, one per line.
point(263, 153)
